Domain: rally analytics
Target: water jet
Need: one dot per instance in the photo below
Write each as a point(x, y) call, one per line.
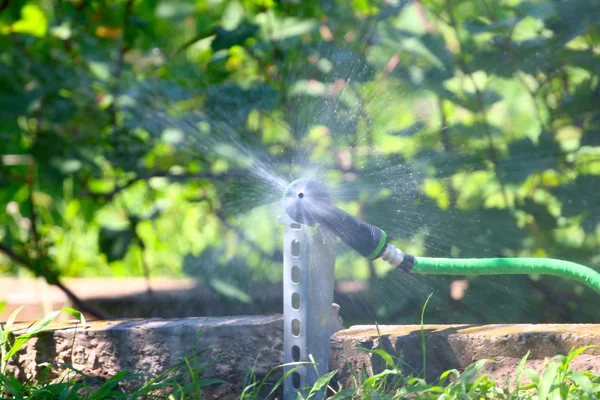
point(307, 203)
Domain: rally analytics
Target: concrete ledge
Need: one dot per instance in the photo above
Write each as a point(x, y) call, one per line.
point(457, 346)
point(152, 346)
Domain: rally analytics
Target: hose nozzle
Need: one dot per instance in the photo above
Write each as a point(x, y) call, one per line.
point(307, 202)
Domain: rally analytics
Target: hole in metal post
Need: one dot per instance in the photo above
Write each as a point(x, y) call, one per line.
point(296, 380)
point(296, 226)
point(296, 301)
point(295, 327)
point(296, 248)
point(295, 274)
point(296, 353)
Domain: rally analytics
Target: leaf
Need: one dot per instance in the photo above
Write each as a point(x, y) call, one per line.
point(437, 46)
point(321, 383)
point(225, 39)
point(444, 376)
point(539, 10)
point(18, 103)
point(230, 291)
point(210, 381)
point(585, 12)
point(529, 56)
point(543, 218)
point(12, 384)
point(232, 16)
point(385, 356)
point(22, 339)
point(100, 70)
point(471, 371)
point(106, 390)
point(115, 243)
point(574, 353)
point(520, 369)
point(281, 380)
point(175, 9)
point(582, 381)
point(477, 130)
point(233, 103)
point(33, 22)
point(581, 198)
point(499, 26)
point(11, 320)
point(344, 394)
point(292, 27)
point(411, 130)
point(548, 381)
point(527, 157)
point(473, 101)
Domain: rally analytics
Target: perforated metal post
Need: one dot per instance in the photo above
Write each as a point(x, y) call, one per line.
point(308, 281)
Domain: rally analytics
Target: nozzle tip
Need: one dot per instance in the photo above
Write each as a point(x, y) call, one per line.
point(303, 199)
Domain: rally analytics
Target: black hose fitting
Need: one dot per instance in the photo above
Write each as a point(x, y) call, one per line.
point(307, 202)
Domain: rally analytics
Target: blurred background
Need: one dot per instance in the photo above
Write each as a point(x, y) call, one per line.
point(144, 146)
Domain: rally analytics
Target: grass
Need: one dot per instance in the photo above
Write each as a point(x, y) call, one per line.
point(185, 381)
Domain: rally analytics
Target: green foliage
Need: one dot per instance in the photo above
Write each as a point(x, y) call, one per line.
point(184, 380)
point(10, 343)
point(558, 381)
point(139, 134)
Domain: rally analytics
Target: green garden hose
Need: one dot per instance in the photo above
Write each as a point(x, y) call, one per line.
point(507, 266)
point(307, 202)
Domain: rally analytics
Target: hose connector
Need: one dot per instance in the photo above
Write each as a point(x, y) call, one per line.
point(397, 258)
point(393, 255)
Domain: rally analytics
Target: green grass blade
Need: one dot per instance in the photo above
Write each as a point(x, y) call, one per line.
point(471, 371)
point(576, 352)
point(548, 381)
point(12, 385)
point(584, 383)
point(11, 319)
point(280, 381)
point(321, 383)
point(423, 343)
point(520, 369)
point(381, 353)
point(210, 381)
point(21, 340)
point(345, 394)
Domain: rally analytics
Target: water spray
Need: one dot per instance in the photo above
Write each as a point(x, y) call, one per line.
point(307, 202)
point(309, 261)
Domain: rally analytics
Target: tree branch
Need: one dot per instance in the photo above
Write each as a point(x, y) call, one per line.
point(4, 5)
point(446, 145)
point(120, 62)
point(32, 215)
point(481, 103)
point(80, 304)
point(164, 174)
point(276, 257)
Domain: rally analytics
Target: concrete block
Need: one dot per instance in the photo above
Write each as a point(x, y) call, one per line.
point(457, 346)
point(152, 346)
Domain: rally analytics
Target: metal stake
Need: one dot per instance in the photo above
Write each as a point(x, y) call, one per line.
point(308, 281)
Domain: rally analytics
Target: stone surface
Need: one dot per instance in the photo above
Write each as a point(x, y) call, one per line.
point(151, 346)
point(457, 346)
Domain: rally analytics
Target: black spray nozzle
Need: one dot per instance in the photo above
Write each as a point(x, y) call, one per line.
point(307, 202)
